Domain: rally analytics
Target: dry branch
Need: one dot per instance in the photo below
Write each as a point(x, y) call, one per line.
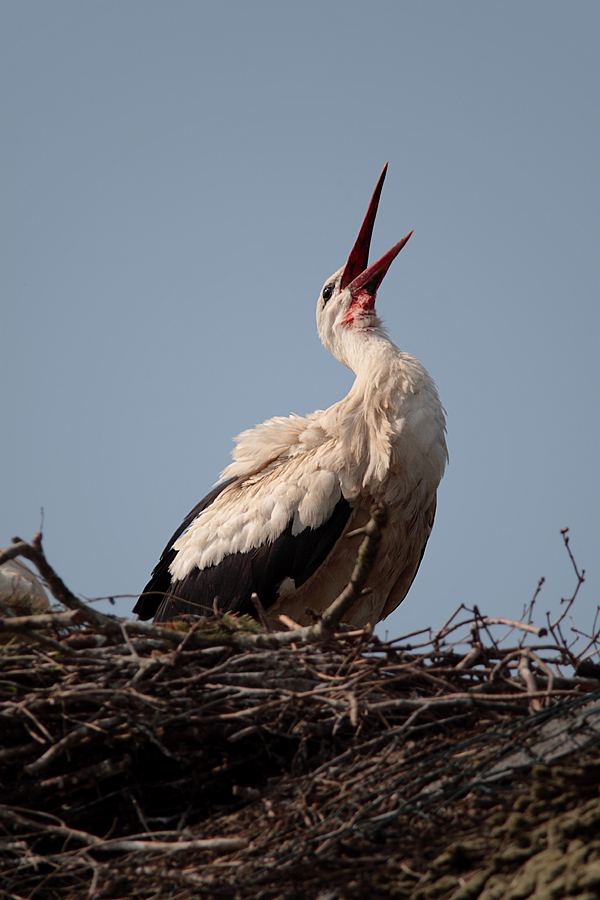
point(324, 629)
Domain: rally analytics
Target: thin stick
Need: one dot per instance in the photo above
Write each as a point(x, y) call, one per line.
point(362, 569)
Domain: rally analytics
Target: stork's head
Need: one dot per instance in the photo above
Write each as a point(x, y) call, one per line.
point(346, 306)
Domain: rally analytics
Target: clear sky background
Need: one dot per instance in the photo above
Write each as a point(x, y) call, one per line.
point(180, 178)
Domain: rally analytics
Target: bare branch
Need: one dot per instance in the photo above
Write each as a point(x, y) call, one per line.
point(364, 564)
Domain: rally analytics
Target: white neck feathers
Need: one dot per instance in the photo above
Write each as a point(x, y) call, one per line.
point(392, 418)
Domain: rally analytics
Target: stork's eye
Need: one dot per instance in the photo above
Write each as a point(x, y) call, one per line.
point(328, 291)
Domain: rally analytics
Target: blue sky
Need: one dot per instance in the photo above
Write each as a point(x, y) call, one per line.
point(180, 178)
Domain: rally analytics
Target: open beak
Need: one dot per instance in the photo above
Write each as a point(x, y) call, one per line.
point(358, 276)
point(369, 280)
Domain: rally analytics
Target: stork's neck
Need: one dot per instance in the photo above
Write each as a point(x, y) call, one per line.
point(368, 347)
point(381, 368)
point(386, 377)
point(393, 401)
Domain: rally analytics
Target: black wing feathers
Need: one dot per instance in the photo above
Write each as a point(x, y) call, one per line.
point(239, 575)
point(160, 580)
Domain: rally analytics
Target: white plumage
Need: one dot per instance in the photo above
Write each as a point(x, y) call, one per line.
point(276, 523)
point(21, 589)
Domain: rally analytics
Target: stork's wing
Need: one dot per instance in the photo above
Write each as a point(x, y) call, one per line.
point(258, 549)
point(261, 570)
point(160, 581)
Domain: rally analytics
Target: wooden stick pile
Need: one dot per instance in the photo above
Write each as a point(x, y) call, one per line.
point(211, 759)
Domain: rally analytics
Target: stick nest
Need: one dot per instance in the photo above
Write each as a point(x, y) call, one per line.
point(206, 759)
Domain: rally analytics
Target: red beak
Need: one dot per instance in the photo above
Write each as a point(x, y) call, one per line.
point(359, 256)
point(371, 278)
point(357, 274)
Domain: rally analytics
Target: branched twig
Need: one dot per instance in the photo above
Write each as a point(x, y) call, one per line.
point(324, 629)
point(60, 591)
point(580, 579)
point(367, 554)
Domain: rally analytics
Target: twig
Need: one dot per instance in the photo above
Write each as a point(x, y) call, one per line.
point(218, 845)
point(59, 590)
point(529, 679)
point(214, 845)
point(364, 564)
point(511, 623)
point(72, 738)
point(580, 579)
point(28, 624)
point(262, 616)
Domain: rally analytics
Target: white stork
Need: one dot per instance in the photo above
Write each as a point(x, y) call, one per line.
point(277, 520)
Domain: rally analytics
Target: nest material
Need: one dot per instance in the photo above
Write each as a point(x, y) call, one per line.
point(218, 762)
